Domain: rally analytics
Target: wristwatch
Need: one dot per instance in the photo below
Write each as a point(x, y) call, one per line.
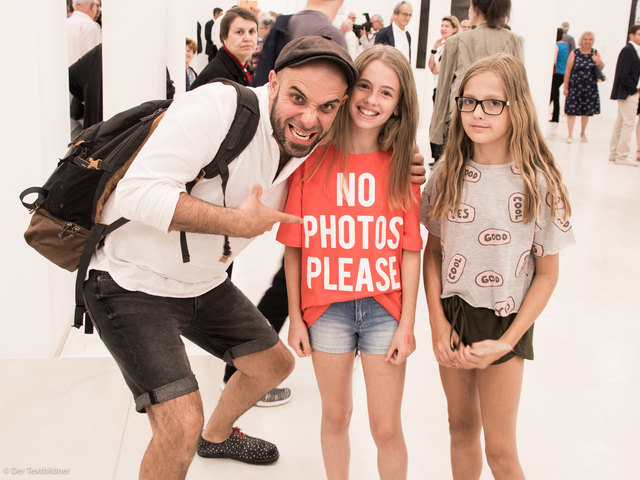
point(434, 51)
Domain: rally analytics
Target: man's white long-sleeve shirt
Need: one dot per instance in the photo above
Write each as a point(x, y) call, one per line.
point(82, 35)
point(143, 255)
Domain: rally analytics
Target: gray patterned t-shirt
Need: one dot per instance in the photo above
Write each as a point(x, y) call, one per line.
point(488, 252)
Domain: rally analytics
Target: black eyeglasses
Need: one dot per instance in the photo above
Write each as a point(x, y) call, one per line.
point(490, 106)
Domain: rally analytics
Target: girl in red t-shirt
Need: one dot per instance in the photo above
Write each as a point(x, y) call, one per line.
point(353, 266)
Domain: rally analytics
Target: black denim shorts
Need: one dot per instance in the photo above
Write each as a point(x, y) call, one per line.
point(143, 331)
point(474, 324)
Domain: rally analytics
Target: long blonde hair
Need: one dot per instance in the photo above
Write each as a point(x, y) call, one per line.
point(527, 146)
point(398, 135)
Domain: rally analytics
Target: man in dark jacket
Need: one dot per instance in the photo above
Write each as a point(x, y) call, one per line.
point(625, 91)
point(396, 34)
point(210, 49)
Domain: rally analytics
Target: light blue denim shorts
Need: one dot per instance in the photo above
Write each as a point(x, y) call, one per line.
point(361, 324)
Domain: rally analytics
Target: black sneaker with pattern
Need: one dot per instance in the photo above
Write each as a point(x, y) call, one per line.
point(275, 397)
point(240, 446)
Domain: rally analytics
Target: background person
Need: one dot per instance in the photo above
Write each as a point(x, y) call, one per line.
point(560, 65)
point(625, 92)
point(239, 35)
point(265, 23)
point(210, 48)
point(566, 37)
point(352, 41)
point(488, 38)
point(83, 34)
point(581, 85)
point(190, 74)
point(448, 27)
point(368, 37)
point(396, 34)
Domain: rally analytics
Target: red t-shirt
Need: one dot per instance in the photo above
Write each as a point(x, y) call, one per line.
point(351, 239)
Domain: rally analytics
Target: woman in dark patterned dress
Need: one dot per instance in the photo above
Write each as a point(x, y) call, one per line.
point(580, 85)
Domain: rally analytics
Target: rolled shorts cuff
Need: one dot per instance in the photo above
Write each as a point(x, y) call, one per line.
point(253, 346)
point(166, 392)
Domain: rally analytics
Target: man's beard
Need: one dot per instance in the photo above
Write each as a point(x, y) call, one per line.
point(288, 146)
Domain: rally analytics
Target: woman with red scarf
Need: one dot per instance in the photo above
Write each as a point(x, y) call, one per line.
point(239, 35)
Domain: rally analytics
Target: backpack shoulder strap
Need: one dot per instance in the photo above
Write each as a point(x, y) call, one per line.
point(242, 130)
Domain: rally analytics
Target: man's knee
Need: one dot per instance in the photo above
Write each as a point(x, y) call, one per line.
point(275, 363)
point(283, 361)
point(176, 424)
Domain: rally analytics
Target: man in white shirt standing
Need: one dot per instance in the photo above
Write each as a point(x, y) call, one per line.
point(83, 33)
point(396, 34)
point(353, 44)
point(215, 33)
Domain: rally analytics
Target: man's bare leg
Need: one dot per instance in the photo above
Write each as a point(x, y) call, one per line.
point(257, 374)
point(176, 425)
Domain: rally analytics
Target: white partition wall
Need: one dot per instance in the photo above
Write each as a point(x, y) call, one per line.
point(36, 296)
point(133, 53)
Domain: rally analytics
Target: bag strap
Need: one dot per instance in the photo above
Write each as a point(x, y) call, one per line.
point(42, 196)
point(95, 241)
point(242, 130)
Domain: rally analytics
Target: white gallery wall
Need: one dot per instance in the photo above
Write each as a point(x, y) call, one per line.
point(141, 38)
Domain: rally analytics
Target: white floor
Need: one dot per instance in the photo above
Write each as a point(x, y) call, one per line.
point(579, 411)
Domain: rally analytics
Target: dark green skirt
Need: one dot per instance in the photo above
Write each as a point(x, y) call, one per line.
point(474, 324)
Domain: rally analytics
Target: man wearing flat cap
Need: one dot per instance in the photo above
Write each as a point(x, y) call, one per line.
point(142, 297)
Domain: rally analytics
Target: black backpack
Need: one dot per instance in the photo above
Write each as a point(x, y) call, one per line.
point(65, 226)
point(274, 43)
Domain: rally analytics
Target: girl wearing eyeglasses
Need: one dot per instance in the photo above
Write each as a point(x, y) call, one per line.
point(497, 213)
